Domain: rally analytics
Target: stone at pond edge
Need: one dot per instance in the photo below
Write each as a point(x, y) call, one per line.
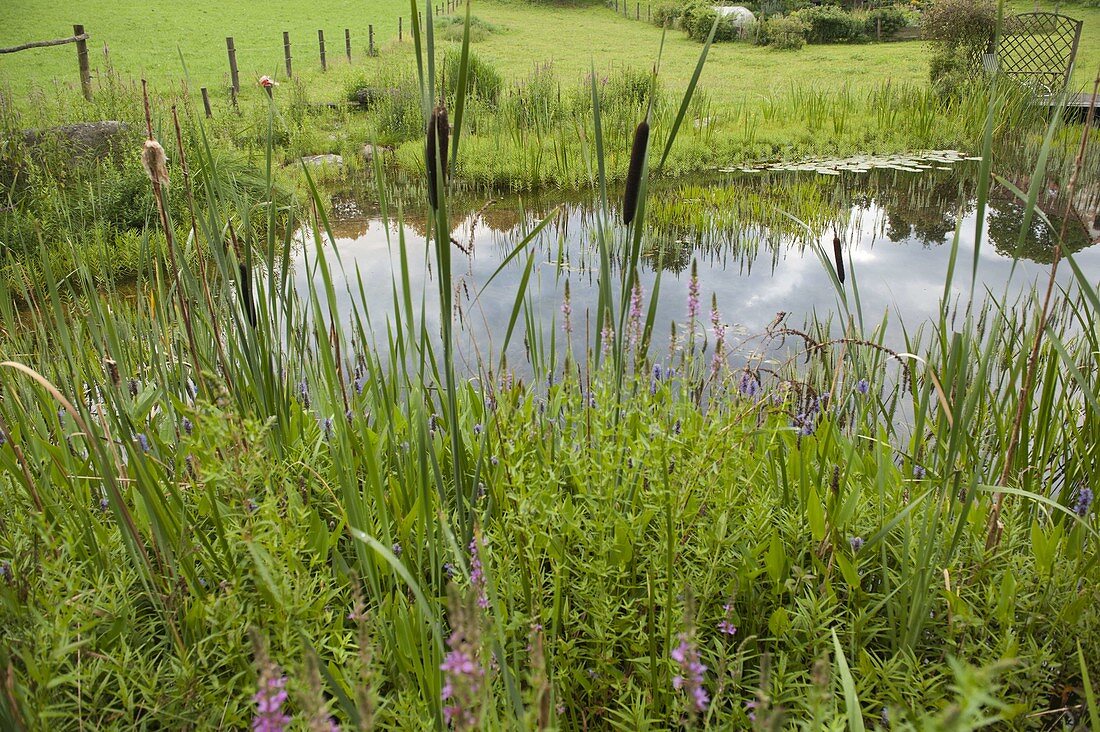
point(318, 161)
point(80, 140)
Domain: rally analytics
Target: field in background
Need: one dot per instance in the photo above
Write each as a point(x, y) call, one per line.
point(143, 38)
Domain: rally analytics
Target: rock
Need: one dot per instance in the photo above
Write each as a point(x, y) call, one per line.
point(369, 152)
point(319, 161)
point(81, 140)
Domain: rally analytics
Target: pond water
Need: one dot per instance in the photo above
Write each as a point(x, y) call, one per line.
point(896, 229)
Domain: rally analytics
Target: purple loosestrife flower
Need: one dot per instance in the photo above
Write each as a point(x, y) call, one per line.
point(856, 542)
point(919, 471)
point(635, 316)
point(693, 294)
point(690, 678)
point(142, 441)
point(1084, 502)
point(463, 674)
point(725, 625)
point(187, 425)
point(750, 384)
point(567, 311)
point(269, 699)
point(863, 386)
point(478, 428)
point(477, 571)
point(607, 338)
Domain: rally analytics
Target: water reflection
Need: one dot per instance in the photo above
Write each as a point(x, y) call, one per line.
point(757, 243)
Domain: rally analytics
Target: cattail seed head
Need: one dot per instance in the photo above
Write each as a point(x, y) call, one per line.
point(246, 294)
point(838, 255)
point(111, 367)
point(634, 172)
point(435, 154)
point(154, 162)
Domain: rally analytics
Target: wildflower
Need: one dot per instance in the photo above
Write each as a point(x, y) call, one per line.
point(462, 671)
point(477, 572)
point(863, 386)
point(886, 717)
point(327, 427)
point(104, 504)
point(1084, 502)
point(494, 461)
point(142, 441)
point(269, 699)
point(187, 426)
point(724, 625)
point(478, 428)
point(693, 293)
point(607, 338)
point(677, 428)
point(303, 393)
point(567, 311)
point(919, 471)
point(690, 678)
point(635, 314)
point(192, 389)
point(448, 570)
point(396, 548)
point(5, 571)
point(856, 542)
point(750, 709)
point(251, 506)
point(750, 384)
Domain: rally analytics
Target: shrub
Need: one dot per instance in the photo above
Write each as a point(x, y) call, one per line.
point(887, 21)
point(451, 28)
point(960, 30)
point(830, 24)
point(784, 33)
point(697, 20)
point(667, 13)
point(483, 80)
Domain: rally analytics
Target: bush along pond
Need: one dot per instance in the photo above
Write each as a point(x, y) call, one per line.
point(779, 448)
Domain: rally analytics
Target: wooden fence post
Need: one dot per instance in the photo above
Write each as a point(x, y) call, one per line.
point(321, 43)
point(399, 28)
point(82, 61)
point(206, 102)
point(370, 40)
point(347, 43)
point(234, 77)
point(286, 54)
point(638, 12)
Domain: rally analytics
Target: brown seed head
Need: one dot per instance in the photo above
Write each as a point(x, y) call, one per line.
point(155, 162)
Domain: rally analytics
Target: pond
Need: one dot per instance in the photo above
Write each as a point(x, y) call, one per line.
point(761, 242)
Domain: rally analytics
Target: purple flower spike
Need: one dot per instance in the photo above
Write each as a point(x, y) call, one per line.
point(1084, 502)
point(269, 700)
point(690, 678)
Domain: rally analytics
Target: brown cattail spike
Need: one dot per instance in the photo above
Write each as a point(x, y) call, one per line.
point(838, 255)
point(246, 294)
point(154, 162)
point(634, 173)
point(435, 154)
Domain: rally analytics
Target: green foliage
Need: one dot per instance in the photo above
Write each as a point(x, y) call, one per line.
point(450, 28)
point(698, 18)
point(785, 33)
point(886, 20)
point(831, 24)
point(484, 81)
point(961, 32)
point(667, 13)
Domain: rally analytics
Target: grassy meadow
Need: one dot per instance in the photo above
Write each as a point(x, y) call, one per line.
point(230, 499)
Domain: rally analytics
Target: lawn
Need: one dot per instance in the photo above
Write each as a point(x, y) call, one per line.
point(143, 38)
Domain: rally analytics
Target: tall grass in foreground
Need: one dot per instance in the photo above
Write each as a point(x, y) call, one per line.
point(640, 543)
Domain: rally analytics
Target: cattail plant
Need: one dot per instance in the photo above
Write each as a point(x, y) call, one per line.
point(838, 255)
point(634, 172)
point(435, 154)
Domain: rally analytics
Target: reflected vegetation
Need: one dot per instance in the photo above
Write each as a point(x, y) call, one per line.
point(758, 241)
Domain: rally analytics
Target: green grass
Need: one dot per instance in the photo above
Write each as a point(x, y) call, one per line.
point(143, 39)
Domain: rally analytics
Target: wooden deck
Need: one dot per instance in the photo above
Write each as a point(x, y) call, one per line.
point(1077, 106)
